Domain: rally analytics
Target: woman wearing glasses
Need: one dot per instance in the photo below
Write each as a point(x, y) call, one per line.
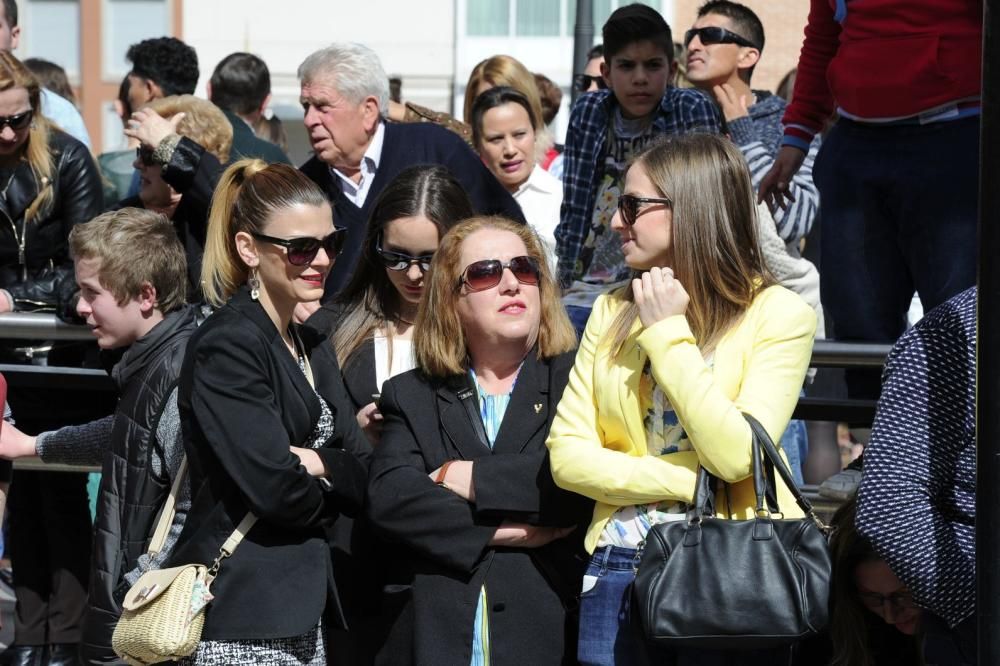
point(269, 430)
point(666, 366)
point(460, 478)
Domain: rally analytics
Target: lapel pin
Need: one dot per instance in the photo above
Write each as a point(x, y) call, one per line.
point(538, 408)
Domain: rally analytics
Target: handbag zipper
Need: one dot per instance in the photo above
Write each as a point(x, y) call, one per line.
point(638, 556)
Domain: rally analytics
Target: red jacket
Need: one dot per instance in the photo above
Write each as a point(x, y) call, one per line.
point(881, 59)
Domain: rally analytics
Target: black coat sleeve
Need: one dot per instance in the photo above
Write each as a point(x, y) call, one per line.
point(405, 505)
point(239, 418)
point(194, 172)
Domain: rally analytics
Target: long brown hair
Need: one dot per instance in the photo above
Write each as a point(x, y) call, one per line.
point(716, 254)
point(370, 300)
point(438, 339)
point(13, 74)
point(248, 194)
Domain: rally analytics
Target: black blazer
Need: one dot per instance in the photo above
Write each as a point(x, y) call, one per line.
point(243, 400)
point(359, 370)
point(445, 539)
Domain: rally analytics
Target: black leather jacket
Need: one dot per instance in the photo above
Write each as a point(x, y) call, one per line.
point(35, 266)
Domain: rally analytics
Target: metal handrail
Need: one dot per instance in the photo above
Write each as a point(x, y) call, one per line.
point(836, 354)
point(40, 326)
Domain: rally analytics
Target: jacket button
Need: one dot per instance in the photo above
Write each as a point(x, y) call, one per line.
point(499, 608)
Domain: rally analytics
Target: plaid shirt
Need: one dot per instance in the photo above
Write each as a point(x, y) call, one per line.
point(681, 111)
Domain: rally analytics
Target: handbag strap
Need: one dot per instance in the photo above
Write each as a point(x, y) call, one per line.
point(167, 512)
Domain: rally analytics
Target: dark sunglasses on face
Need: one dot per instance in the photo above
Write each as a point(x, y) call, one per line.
point(628, 206)
point(399, 261)
point(18, 122)
point(582, 82)
point(487, 273)
point(145, 156)
point(714, 35)
point(301, 251)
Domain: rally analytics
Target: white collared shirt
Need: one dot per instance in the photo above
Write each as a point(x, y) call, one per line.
point(540, 198)
point(357, 192)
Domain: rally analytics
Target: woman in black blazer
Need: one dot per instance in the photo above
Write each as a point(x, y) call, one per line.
point(267, 424)
point(461, 479)
point(374, 314)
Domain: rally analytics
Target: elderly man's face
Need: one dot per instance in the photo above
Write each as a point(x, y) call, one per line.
point(339, 130)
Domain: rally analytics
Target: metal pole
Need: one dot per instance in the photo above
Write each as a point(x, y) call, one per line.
point(988, 351)
point(583, 40)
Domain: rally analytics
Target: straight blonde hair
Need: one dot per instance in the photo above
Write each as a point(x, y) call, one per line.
point(716, 253)
point(249, 193)
point(438, 339)
point(13, 74)
point(502, 70)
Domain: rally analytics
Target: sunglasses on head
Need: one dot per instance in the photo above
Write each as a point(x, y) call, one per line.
point(301, 251)
point(399, 261)
point(486, 273)
point(714, 35)
point(145, 156)
point(628, 206)
point(18, 122)
point(582, 82)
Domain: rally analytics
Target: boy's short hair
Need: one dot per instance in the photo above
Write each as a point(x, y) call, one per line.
point(636, 23)
point(166, 61)
point(135, 246)
point(745, 23)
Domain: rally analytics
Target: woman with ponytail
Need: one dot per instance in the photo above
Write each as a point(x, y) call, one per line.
point(269, 429)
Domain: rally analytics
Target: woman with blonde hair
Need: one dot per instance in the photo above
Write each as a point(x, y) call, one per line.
point(666, 368)
point(169, 119)
point(460, 479)
point(49, 183)
point(269, 431)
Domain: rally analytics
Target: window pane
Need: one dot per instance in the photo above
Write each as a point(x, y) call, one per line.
point(54, 33)
point(127, 22)
point(487, 18)
point(538, 17)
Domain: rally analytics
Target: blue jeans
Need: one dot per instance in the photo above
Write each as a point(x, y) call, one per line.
point(795, 444)
point(899, 215)
point(610, 635)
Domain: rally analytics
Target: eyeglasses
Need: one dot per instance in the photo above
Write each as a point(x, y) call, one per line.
point(145, 156)
point(480, 275)
point(628, 206)
point(898, 600)
point(713, 35)
point(582, 82)
point(398, 261)
point(18, 122)
point(301, 251)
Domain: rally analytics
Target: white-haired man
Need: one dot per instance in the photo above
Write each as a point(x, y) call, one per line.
point(345, 94)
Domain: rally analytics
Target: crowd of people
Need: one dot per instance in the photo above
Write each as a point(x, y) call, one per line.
point(430, 392)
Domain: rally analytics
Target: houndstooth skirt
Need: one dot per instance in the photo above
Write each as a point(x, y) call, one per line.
point(308, 648)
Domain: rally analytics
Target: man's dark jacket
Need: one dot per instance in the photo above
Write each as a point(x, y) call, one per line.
point(246, 144)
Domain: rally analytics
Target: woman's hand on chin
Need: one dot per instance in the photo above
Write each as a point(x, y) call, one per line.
point(658, 295)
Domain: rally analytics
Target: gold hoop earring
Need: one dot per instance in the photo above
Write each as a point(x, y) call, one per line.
point(254, 283)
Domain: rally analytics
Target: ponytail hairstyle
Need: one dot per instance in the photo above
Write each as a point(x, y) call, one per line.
point(249, 193)
point(716, 253)
point(13, 74)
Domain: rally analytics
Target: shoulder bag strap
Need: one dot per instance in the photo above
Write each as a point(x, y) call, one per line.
point(168, 511)
point(470, 400)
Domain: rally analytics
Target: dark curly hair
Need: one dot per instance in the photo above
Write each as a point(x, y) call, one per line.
point(166, 61)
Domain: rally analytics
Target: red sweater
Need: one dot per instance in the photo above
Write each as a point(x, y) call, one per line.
point(882, 59)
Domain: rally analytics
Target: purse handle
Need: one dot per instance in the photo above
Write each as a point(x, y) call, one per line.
point(764, 487)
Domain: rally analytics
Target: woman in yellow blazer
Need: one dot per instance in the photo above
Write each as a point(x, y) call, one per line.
point(666, 367)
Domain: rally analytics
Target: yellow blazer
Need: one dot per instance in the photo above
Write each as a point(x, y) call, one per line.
point(597, 442)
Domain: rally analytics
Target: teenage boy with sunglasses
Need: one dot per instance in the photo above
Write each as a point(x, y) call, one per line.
point(132, 274)
point(723, 47)
point(607, 128)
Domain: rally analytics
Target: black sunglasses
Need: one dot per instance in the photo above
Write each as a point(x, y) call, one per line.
point(145, 156)
point(18, 122)
point(582, 82)
point(486, 273)
point(301, 251)
point(399, 261)
point(628, 206)
point(713, 35)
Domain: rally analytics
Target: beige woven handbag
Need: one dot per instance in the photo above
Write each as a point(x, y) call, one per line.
point(164, 611)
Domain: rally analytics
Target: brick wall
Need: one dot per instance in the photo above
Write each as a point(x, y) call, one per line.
point(783, 22)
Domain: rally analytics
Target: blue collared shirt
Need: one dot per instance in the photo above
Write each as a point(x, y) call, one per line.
point(681, 111)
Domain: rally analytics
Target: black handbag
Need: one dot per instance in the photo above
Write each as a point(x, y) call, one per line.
point(721, 584)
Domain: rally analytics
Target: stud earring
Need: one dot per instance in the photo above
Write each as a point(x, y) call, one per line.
point(254, 283)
